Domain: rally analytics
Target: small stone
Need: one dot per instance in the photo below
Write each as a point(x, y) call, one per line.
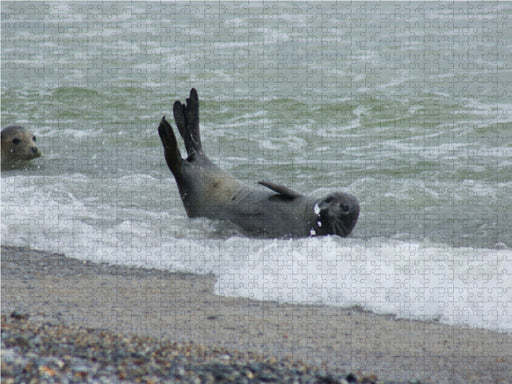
point(58, 363)
point(81, 373)
point(45, 370)
point(328, 379)
point(369, 380)
point(19, 316)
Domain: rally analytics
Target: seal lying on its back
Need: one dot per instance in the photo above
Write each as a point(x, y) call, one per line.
point(18, 146)
point(208, 191)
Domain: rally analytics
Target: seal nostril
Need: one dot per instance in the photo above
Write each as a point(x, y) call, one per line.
point(34, 149)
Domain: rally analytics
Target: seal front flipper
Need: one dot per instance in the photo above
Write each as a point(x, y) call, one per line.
point(281, 189)
point(171, 150)
point(187, 119)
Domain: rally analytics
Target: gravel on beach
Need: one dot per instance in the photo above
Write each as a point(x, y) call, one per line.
point(34, 352)
point(67, 320)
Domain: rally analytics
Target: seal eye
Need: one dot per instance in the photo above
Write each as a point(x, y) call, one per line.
point(329, 199)
point(16, 141)
point(34, 138)
point(345, 208)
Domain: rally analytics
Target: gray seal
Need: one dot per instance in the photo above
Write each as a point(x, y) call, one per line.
point(18, 146)
point(208, 191)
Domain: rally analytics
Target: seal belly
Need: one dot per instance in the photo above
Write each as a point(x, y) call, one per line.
point(207, 190)
point(215, 194)
point(267, 214)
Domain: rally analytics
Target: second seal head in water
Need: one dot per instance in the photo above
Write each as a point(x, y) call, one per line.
point(208, 191)
point(18, 146)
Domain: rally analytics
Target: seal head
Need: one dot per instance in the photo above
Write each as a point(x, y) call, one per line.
point(18, 146)
point(337, 213)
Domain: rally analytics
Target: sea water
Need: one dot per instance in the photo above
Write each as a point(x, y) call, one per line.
point(407, 106)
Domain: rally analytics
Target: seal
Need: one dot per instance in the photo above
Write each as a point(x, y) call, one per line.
point(208, 191)
point(18, 146)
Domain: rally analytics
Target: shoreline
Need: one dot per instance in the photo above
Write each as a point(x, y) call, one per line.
point(54, 289)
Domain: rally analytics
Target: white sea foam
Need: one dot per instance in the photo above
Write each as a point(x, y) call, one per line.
point(414, 280)
point(411, 280)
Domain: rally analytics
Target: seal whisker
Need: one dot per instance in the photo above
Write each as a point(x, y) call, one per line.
point(340, 227)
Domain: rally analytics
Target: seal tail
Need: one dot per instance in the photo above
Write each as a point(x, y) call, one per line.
point(171, 151)
point(186, 117)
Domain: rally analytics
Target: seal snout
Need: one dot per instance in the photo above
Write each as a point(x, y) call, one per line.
point(352, 214)
point(35, 151)
point(338, 214)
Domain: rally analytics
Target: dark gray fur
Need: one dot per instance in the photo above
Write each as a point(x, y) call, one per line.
point(208, 191)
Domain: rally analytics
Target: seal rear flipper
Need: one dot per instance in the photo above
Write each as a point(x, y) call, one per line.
point(281, 189)
point(171, 151)
point(186, 117)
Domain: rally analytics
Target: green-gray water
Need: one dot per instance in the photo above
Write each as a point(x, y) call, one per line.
point(406, 106)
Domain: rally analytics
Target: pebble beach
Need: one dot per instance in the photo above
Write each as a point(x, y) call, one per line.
point(66, 320)
point(60, 354)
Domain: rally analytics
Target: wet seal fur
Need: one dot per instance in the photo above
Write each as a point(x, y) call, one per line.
point(208, 191)
point(18, 147)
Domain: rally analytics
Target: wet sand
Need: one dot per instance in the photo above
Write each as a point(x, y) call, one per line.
point(181, 307)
